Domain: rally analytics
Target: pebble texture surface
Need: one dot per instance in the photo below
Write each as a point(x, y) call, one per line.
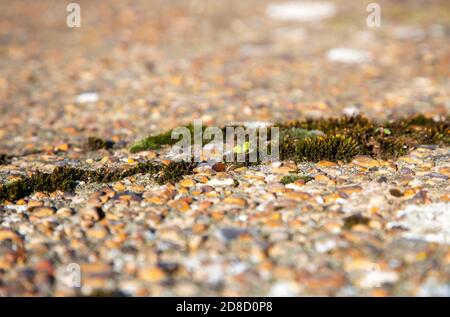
point(371, 226)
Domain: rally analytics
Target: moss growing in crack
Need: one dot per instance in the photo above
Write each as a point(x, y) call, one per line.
point(391, 147)
point(391, 139)
point(66, 178)
point(328, 147)
point(352, 125)
point(175, 171)
point(15, 190)
point(293, 133)
point(343, 139)
point(94, 143)
point(155, 142)
point(422, 130)
point(62, 178)
point(140, 168)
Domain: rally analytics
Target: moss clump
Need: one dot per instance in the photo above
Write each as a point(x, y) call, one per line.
point(94, 143)
point(175, 171)
point(327, 147)
point(293, 133)
point(155, 142)
point(342, 139)
point(334, 125)
point(358, 128)
point(422, 130)
point(389, 139)
point(15, 190)
point(66, 178)
point(288, 179)
point(391, 147)
point(337, 135)
point(62, 178)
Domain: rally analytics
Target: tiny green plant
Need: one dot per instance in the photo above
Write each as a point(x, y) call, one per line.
point(384, 131)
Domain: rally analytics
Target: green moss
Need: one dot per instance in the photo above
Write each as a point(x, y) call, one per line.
point(343, 137)
point(293, 133)
point(328, 147)
point(419, 120)
point(383, 140)
point(333, 125)
point(392, 147)
point(15, 190)
point(175, 171)
point(94, 143)
point(422, 130)
point(300, 141)
point(62, 178)
point(66, 178)
point(288, 179)
point(155, 142)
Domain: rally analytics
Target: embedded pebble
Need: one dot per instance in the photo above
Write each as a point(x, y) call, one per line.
point(220, 182)
point(426, 222)
point(307, 11)
point(348, 55)
point(87, 97)
point(93, 213)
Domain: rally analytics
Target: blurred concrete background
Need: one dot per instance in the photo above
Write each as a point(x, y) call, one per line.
point(150, 65)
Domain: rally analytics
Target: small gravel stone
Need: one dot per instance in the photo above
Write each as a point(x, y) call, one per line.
point(93, 213)
point(229, 234)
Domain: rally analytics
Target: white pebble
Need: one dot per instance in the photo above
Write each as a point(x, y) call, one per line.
point(284, 289)
point(377, 278)
point(350, 111)
point(348, 55)
point(430, 222)
point(220, 182)
point(307, 11)
point(325, 246)
point(87, 97)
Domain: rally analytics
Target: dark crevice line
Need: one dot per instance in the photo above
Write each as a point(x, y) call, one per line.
point(65, 178)
point(342, 139)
